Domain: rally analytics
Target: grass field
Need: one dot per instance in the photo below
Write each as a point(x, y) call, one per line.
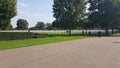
point(32, 42)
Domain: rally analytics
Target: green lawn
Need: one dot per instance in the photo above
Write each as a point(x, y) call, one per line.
point(32, 42)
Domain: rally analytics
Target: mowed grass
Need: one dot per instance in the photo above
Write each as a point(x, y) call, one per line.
point(32, 42)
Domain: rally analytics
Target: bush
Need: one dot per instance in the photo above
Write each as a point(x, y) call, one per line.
point(38, 35)
point(15, 35)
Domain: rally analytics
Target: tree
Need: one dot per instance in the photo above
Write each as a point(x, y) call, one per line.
point(7, 11)
point(68, 13)
point(116, 15)
point(49, 26)
point(104, 14)
point(22, 24)
point(33, 28)
point(57, 25)
point(40, 26)
point(86, 24)
point(10, 27)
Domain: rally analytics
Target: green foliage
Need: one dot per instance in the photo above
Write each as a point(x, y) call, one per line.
point(40, 26)
point(22, 24)
point(115, 24)
point(7, 11)
point(48, 26)
point(104, 14)
point(68, 13)
point(32, 42)
point(15, 35)
point(10, 27)
point(33, 28)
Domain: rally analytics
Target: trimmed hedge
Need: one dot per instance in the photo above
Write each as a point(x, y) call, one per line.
point(38, 35)
point(15, 35)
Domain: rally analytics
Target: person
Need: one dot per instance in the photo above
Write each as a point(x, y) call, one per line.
point(99, 34)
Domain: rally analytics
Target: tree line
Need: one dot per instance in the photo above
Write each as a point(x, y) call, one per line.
point(69, 15)
point(23, 24)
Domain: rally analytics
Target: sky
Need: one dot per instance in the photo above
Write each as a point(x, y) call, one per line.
point(34, 11)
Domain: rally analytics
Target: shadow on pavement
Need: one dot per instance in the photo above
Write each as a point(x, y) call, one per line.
point(117, 42)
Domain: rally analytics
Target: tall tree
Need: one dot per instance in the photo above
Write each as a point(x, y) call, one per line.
point(116, 15)
point(68, 13)
point(22, 24)
point(40, 26)
point(7, 11)
point(104, 13)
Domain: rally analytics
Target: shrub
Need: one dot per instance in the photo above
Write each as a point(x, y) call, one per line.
point(15, 35)
point(38, 35)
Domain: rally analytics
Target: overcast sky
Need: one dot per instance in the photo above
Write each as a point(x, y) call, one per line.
point(34, 11)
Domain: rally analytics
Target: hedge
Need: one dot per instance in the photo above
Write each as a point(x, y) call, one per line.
point(39, 35)
point(15, 35)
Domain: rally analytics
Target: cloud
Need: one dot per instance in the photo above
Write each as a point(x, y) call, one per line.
point(20, 11)
point(22, 4)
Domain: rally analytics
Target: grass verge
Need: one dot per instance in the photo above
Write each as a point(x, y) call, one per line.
point(32, 42)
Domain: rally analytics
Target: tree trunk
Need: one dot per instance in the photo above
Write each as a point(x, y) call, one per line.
point(106, 31)
point(112, 31)
point(69, 32)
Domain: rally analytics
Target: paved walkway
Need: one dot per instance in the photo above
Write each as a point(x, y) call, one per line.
point(86, 53)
